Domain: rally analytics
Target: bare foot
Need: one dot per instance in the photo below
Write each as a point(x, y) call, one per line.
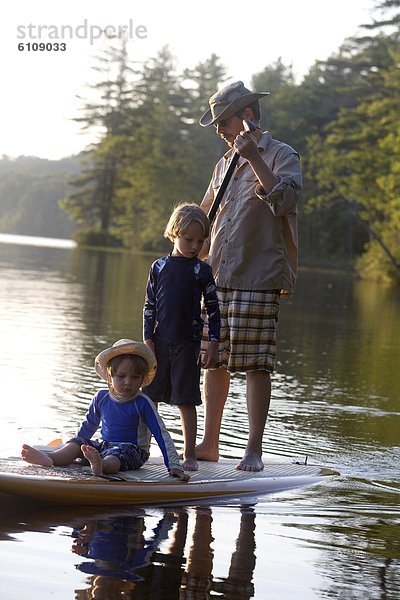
point(250, 462)
point(190, 464)
point(203, 452)
point(94, 458)
point(35, 457)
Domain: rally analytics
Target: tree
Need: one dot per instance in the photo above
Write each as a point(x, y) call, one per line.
point(206, 147)
point(96, 205)
point(341, 94)
point(283, 110)
point(158, 162)
point(360, 166)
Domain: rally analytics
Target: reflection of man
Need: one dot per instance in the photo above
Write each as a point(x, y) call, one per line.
point(198, 577)
point(253, 254)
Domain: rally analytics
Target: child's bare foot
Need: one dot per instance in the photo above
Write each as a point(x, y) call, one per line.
point(94, 458)
point(35, 457)
point(179, 473)
point(190, 464)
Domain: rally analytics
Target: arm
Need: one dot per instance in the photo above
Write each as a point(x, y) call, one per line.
point(205, 205)
point(208, 198)
point(149, 309)
point(92, 419)
point(246, 145)
point(210, 357)
point(280, 188)
point(156, 425)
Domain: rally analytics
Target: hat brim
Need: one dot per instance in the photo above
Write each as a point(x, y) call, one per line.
point(131, 347)
point(232, 108)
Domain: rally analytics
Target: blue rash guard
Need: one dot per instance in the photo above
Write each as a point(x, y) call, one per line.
point(120, 423)
point(172, 308)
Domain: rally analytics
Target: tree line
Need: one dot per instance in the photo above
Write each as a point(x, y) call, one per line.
point(343, 118)
point(30, 189)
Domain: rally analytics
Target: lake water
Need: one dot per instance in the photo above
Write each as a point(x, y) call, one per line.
point(336, 400)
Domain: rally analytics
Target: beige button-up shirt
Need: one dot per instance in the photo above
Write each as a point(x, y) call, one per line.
point(253, 242)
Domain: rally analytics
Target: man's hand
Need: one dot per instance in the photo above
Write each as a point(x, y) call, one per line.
point(179, 473)
point(246, 145)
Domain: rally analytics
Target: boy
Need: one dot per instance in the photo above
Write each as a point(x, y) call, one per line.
point(126, 366)
point(172, 323)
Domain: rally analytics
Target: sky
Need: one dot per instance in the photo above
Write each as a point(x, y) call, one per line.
point(40, 88)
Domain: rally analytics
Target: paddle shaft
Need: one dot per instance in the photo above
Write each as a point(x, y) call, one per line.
point(248, 126)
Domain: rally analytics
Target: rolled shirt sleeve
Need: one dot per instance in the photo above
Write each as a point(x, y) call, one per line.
point(284, 196)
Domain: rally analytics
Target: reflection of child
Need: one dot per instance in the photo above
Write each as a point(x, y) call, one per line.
point(173, 324)
point(117, 546)
point(126, 366)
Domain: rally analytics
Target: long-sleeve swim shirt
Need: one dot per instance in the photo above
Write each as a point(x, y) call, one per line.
point(172, 308)
point(120, 422)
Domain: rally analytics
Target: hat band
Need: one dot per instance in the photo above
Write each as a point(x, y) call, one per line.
point(218, 108)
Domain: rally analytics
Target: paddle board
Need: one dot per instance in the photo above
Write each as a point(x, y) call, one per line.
point(151, 484)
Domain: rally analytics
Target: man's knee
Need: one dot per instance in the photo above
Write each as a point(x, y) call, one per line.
point(258, 375)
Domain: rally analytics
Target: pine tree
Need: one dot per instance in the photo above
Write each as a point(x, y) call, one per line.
point(96, 205)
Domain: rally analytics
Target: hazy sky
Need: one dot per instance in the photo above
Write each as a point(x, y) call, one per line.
point(39, 88)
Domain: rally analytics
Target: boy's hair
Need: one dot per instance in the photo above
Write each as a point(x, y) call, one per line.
point(138, 365)
point(182, 216)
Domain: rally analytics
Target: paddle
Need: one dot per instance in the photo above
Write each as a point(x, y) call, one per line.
point(248, 126)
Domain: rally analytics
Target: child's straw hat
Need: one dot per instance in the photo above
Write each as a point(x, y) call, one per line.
point(125, 346)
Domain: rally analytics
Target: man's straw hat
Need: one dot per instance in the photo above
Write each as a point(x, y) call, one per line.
point(228, 101)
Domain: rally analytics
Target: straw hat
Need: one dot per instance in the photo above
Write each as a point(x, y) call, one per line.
point(125, 346)
point(228, 101)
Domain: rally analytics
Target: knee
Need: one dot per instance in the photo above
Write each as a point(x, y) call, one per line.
point(111, 464)
point(262, 375)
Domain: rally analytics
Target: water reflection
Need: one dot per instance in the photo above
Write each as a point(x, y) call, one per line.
point(357, 539)
point(335, 399)
point(113, 284)
point(339, 541)
point(159, 553)
point(124, 559)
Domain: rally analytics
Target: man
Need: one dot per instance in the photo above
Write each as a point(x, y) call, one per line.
point(252, 250)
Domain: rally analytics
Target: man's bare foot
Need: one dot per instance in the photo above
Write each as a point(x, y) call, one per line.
point(250, 462)
point(204, 452)
point(190, 464)
point(94, 458)
point(35, 457)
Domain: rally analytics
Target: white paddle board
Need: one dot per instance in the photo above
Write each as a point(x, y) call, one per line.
point(151, 484)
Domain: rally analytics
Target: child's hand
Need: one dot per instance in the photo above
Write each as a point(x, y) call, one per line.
point(179, 473)
point(210, 357)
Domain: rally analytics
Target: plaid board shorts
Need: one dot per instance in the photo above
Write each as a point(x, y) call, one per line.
point(248, 329)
